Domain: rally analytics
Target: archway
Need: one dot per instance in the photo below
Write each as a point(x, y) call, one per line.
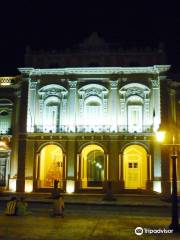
point(135, 167)
point(51, 166)
point(4, 163)
point(92, 166)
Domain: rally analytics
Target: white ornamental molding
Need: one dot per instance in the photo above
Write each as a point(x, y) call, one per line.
point(81, 105)
point(134, 91)
point(64, 104)
point(93, 92)
point(156, 69)
point(105, 105)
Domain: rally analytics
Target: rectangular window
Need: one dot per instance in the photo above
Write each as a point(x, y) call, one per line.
point(130, 165)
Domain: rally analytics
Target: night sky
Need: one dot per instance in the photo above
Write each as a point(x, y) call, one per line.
point(64, 24)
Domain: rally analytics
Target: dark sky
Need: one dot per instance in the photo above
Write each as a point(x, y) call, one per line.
point(62, 24)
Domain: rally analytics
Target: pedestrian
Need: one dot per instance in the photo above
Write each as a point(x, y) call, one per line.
point(11, 207)
point(21, 208)
point(58, 207)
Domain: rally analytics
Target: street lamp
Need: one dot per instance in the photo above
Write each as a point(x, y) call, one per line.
point(160, 135)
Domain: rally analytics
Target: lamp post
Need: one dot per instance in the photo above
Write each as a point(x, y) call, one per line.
point(174, 198)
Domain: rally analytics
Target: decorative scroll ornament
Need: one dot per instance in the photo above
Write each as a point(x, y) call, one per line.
point(93, 92)
point(134, 91)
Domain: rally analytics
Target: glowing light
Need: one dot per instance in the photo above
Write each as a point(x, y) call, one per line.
point(160, 136)
point(2, 144)
point(157, 186)
point(28, 186)
point(70, 186)
point(5, 84)
point(12, 185)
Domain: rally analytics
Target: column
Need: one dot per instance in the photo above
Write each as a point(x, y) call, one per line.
point(113, 157)
point(123, 113)
point(31, 105)
point(36, 172)
point(121, 172)
point(165, 170)
point(156, 103)
point(22, 137)
point(149, 182)
point(63, 113)
point(71, 162)
point(173, 104)
point(15, 130)
point(113, 100)
point(72, 105)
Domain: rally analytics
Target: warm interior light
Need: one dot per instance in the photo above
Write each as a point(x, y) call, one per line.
point(2, 144)
point(70, 186)
point(5, 83)
point(160, 136)
point(28, 186)
point(12, 185)
point(157, 186)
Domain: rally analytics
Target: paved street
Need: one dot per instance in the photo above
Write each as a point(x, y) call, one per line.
point(85, 222)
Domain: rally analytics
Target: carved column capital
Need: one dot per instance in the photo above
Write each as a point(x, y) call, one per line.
point(113, 84)
point(155, 83)
point(72, 84)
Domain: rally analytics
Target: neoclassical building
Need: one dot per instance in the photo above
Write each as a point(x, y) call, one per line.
point(86, 126)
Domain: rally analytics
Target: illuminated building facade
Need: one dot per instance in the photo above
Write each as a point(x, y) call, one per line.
point(84, 127)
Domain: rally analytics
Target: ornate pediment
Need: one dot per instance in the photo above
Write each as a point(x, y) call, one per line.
point(92, 92)
point(52, 90)
point(134, 91)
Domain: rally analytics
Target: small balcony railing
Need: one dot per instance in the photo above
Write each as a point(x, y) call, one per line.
point(91, 129)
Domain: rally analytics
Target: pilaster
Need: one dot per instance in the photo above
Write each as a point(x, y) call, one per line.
point(155, 85)
point(72, 105)
point(113, 100)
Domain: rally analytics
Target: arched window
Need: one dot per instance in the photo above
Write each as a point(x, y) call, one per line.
point(93, 112)
point(5, 116)
point(51, 114)
point(135, 113)
point(135, 107)
point(52, 101)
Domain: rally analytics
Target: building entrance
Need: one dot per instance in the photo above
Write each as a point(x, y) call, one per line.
point(135, 167)
point(92, 166)
point(51, 166)
point(3, 170)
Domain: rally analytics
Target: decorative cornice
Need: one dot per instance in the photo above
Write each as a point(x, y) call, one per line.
point(156, 69)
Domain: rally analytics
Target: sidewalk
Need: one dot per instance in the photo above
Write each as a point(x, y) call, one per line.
point(136, 200)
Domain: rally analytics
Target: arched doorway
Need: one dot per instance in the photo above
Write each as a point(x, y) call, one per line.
point(92, 166)
point(135, 167)
point(51, 166)
point(4, 163)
